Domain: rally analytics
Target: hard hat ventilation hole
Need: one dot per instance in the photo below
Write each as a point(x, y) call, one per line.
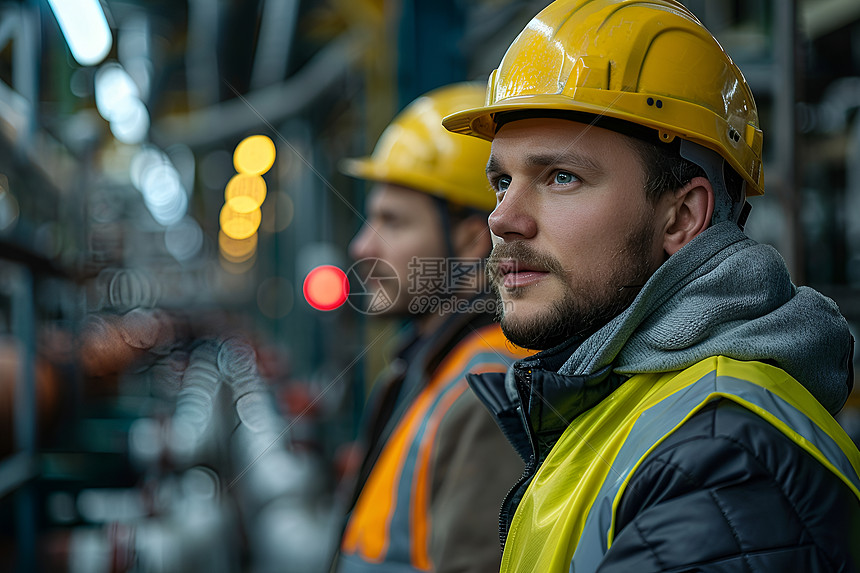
point(652, 101)
point(734, 135)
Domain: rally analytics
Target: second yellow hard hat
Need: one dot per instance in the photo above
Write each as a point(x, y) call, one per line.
point(416, 151)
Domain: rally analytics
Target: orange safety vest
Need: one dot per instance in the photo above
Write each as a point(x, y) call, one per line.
point(389, 527)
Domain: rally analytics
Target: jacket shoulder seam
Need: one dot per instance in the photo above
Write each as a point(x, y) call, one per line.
point(650, 547)
point(732, 529)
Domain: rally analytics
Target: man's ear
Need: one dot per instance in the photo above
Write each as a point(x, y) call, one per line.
point(691, 209)
point(471, 237)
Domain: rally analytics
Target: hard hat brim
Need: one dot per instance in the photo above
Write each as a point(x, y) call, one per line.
point(481, 122)
point(367, 169)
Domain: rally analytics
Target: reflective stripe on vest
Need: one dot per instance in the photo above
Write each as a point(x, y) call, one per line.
point(390, 523)
point(566, 519)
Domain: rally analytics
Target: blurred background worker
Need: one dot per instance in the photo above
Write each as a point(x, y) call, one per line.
point(434, 468)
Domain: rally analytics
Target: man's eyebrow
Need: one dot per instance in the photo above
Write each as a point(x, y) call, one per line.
point(574, 160)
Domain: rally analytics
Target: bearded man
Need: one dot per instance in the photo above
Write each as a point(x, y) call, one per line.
point(679, 416)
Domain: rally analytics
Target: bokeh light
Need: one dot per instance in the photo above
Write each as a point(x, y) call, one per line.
point(244, 195)
point(115, 91)
point(130, 124)
point(244, 185)
point(85, 28)
point(184, 239)
point(163, 193)
point(160, 183)
point(145, 157)
point(326, 287)
point(118, 100)
point(240, 218)
point(237, 250)
point(152, 173)
point(254, 155)
point(237, 268)
point(131, 288)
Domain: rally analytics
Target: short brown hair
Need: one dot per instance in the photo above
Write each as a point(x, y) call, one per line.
point(666, 170)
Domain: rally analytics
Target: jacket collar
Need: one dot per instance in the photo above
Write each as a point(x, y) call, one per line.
point(533, 404)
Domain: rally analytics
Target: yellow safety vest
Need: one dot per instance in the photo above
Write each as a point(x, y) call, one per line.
point(566, 518)
point(389, 528)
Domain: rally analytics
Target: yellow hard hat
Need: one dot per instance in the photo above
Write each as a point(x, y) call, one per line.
point(651, 63)
point(416, 151)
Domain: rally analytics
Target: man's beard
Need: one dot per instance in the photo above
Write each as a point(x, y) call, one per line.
point(585, 306)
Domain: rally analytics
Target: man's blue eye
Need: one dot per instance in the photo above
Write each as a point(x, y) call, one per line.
point(564, 177)
point(504, 183)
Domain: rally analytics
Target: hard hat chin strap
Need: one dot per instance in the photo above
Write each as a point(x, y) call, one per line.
point(712, 163)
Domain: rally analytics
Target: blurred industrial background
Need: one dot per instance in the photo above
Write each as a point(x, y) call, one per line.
point(169, 401)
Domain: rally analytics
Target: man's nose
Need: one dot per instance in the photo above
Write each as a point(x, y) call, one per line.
point(512, 219)
point(361, 246)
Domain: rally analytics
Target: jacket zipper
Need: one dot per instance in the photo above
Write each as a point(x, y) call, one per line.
point(505, 512)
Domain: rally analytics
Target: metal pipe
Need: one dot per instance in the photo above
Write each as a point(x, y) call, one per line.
point(25, 423)
point(277, 28)
point(785, 138)
point(268, 106)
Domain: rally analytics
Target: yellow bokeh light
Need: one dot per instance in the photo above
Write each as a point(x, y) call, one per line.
point(244, 185)
point(237, 268)
point(240, 218)
point(242, 204)
point(254, 155)
point(236, 250)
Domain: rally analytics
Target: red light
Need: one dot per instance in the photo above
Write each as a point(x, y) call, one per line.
point(326, 287)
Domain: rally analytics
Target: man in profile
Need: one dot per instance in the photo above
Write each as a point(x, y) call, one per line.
point(436, 466)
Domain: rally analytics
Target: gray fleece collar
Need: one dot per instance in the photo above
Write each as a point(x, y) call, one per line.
point(725, 294)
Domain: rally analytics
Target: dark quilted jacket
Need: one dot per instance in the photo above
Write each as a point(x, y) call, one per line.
point(728, 492)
